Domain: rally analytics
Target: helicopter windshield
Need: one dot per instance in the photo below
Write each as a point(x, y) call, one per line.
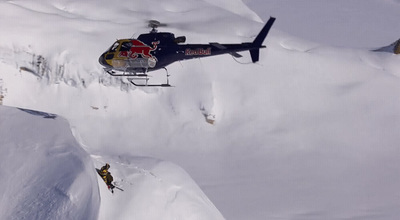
point(114, 47)
point(125, 46)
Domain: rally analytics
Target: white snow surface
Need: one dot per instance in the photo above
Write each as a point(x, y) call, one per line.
point(45, 173)
point(309, 132)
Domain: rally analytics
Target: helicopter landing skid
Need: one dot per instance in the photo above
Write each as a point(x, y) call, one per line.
point(150, 85)
point(146, 78)
point(113, 73)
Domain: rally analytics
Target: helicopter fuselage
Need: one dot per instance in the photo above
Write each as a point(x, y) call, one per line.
point(156, 50)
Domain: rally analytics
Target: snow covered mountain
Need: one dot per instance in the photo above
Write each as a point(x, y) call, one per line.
point(310, 132)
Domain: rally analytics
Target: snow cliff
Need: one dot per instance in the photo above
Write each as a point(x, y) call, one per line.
point(45, 173)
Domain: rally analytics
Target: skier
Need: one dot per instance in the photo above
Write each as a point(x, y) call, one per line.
point(106, 175)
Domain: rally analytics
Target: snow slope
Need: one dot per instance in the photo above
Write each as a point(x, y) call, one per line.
point(153, 189)
point(310, 132)
point(45, 173)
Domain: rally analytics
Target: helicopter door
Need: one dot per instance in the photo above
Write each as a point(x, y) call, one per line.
point(114, 58)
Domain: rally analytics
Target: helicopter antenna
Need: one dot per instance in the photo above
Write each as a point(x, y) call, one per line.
point(133, 35)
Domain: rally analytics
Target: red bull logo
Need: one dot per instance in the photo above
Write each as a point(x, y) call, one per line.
point(140, 48)
point(198, 51)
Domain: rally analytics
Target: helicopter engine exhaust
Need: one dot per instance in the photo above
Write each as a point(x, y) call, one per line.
point(181, 39)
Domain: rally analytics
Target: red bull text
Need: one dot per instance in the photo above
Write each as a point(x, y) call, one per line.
point(198, 51)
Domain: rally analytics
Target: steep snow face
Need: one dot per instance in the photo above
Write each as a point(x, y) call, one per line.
point(45, 173)
point(153, 189)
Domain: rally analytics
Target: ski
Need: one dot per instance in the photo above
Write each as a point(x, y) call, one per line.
point(118, 188)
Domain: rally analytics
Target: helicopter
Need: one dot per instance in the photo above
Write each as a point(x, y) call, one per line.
point(155, 50)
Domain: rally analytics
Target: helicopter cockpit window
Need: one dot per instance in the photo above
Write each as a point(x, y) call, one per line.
point(126, 46)
point(114, 47)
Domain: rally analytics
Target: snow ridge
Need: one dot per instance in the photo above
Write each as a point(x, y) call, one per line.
point(47, 174)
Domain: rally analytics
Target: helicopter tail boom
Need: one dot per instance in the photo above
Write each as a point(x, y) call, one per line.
point(255, 53)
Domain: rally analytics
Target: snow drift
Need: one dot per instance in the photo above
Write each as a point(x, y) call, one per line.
point(45, 173)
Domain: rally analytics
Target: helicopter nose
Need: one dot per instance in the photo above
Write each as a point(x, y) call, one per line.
point(102, 61)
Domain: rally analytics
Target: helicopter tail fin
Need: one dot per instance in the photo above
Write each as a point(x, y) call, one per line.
point(255, 53)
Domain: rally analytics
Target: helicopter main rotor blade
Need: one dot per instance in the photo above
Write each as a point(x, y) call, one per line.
point(155, 24)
